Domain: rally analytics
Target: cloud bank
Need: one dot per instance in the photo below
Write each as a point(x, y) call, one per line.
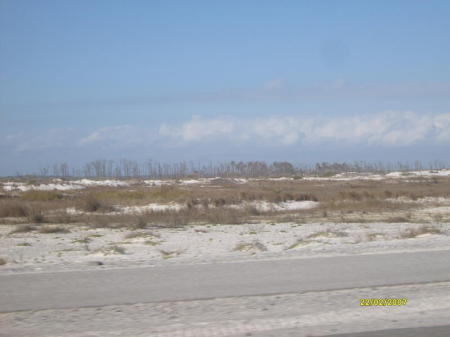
point(385, 129)
point(388, 129)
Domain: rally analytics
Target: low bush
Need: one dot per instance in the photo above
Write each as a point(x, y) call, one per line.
point(305, 197)
point(36, 216)
point(41, 195)
point(13, 208)
point(92, 203)
point(52, 230)
point(224, 216)
point(141, 223)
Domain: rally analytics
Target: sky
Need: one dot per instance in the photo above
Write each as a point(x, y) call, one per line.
point(302, 81)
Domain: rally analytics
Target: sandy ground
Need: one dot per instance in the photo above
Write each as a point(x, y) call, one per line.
point(82, 247)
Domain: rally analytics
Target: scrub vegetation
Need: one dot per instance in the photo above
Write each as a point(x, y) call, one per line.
point(229, 201)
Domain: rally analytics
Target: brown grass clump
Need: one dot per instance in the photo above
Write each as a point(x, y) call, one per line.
point(23, 228)
point(2, 261)
point(141, 223)
point(117, 249)
point(398, 219)
point(328, 234)
point(53, 230)
point(152, 243)
point(92, 203)
point(41, 195)
point(246, 246)
point(224, 216)
point(36, 216)
point(414, 232)
point(167, 254)
point(298, 243)
point(111, 250)
point(305, 197)
point(13, 208)
point(169, 218)
point(136, 235)
point(62, 217)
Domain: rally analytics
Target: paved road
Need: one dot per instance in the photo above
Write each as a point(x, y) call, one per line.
point(433, 331)
point(189, 282)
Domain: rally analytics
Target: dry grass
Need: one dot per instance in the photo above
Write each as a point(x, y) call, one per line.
point(33, 195)
point(111, 250)
point(398, 219)
point(52, 229)
point(152, 243)
point(117, 249)
point(166, 254)
point(340, 201)
point(2, 261)
point(24, 244)
point(136, 235)
point(226, 216)
point(119, 194)
point(421, 230)
point(298, 243)
point(141, 223)
point(62, 217)
point(245, 246)
point(23, 228)
point(13, 208)
point(36, 216)
point(139, 195)
point(91, 203)
point(328, 234)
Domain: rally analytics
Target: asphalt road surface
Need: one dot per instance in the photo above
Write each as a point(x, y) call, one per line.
point(314, 282)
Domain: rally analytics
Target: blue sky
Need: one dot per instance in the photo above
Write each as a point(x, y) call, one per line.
point(302, 81)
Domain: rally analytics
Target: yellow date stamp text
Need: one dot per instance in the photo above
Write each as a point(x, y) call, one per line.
point(382, 301)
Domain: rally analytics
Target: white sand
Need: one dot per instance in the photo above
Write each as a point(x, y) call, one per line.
point(82, 246)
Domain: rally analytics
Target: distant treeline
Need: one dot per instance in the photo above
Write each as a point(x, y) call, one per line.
point(151, 169)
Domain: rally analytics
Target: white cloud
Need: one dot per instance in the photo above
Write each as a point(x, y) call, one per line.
point(286, 130)
point(442, 125)
point(111, 133)
point(388, 129)
point(275, 84)
point(198, 129)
